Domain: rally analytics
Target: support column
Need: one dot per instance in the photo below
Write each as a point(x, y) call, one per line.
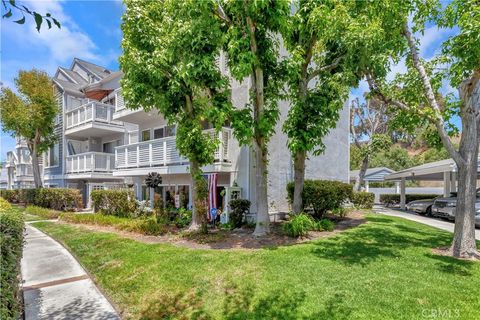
point(446, 184)
point(138, 187)
point(453, 182)
point(402, 194)
point(367, 187)
point(397, 187)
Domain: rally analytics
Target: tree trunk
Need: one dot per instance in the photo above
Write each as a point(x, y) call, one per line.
point(196, 218)
point(262, 226)
point(37, 177)
point(464, 243)
point(299, 178)
point(361, 174)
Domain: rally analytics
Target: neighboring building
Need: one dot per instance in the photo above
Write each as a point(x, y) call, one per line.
point(103, 144)
point(371, 175)
point(3, 177)
point(18, 166)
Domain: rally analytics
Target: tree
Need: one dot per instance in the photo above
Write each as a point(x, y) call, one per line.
point(252, 45)
point(417, 93)
point(168, 60)
point(318, 80)
point(7, 7)
point(31, 114)
point(368, 129)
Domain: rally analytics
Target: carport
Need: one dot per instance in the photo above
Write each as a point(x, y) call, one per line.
point(443, 170)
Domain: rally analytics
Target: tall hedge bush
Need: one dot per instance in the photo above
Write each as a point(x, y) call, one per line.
point(120, 203)
point(363, 200)
point(11, 243)
point(321, 196)
point(63, 199)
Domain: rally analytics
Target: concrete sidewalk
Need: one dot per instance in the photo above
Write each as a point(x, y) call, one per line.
point(55, 285)
point(434, 222)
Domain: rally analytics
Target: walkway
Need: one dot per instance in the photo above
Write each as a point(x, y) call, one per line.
point(434, 222)
point(55, 285)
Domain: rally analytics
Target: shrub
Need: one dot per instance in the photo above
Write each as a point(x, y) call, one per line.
point(27, 196)
point(238, 209)
point(183, 218)
point(394, 199)
point(143, 209)
point(120, 203)
point(363, 200)
point(4, 205)
point(10, 195)
point(299, 225)
point(42, 212)
point(11, 242)
point(147, 226)
point(322, 195)
point(324, 225)
point(63, 199)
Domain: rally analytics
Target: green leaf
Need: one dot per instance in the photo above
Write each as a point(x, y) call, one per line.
point(38, 20)
point(21, 21)
point(12, 2)
point(26, 9)
point(49, 24)
point(8, 14)
point(56, 23)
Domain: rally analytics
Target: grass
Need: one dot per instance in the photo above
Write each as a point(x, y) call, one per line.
point(380, 270)
point(41, 213)
point(147, 226)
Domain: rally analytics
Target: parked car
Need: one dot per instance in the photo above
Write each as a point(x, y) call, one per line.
point(477, 217)
point(446, 207)
point(422, 207)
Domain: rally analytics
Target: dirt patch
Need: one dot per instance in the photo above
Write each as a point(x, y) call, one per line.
point(234, 239)
point(447, 252)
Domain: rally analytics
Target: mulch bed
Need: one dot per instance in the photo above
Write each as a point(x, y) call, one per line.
point(234, 239)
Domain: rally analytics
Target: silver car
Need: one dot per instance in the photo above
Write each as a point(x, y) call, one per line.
point(422, 207)
point(446, 207)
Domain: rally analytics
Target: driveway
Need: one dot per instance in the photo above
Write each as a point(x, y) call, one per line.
point(55, 286)
point(433, 222)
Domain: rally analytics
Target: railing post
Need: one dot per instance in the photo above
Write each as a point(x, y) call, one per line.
point(138, 155)
point(94, 112)
point(84, 163)
point(108, 163)
point(126, 157)
point(164, 152)
point(150, 153)
point(220, 134)
point(116, 157)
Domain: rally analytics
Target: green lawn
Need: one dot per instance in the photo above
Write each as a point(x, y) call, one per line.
point(380, 270)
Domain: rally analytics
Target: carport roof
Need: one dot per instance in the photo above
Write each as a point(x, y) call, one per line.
point(432, 171)
point(372, 174)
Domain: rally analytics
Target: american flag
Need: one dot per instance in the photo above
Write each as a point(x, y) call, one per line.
point(212, 194)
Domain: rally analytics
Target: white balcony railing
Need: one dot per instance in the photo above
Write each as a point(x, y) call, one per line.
point(93, 111)
point(163, 152)
point(90, 162)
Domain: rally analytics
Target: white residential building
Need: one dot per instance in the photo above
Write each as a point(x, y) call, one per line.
point(18, 167)
point(104, 144)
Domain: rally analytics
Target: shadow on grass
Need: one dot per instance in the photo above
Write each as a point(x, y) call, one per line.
point(243, 303)
point(384, 239)
point(452, 266)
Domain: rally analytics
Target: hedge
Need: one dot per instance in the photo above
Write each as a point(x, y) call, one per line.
point(120, 203)
point(363, 200)
point(393, 199)
point(63, 199)
point(322, 195)
point(11, 243)
point(239, 209)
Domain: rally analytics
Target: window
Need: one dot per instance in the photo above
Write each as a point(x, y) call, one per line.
point(170, 131)
point(146, 135)
point(158, 133)
point(53, 156)
point(109, 147)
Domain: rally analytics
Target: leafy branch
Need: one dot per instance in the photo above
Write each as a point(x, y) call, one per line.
point(39, 18)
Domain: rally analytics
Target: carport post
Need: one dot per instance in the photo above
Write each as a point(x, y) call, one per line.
point(402, 194)
point(397, 187)
point(446, 184)
point(367, 187)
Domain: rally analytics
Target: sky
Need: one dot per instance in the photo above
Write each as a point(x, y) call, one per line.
point(91, 31)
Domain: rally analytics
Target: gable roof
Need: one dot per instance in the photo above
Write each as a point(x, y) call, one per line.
point(372, 174)
point(100, 71)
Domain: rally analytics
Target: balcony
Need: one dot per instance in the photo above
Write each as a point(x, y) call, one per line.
point(164, 153)
point(122, 113)
point(92, 119)
point(90, 164)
